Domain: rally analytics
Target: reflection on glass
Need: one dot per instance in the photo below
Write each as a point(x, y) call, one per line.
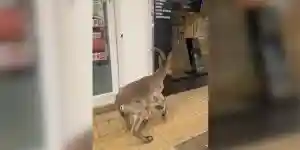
point(102, 76)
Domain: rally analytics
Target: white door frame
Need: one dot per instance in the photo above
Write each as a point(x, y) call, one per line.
point(122, 49)
point(151, 33)
point(46, 26)
point(108, 98)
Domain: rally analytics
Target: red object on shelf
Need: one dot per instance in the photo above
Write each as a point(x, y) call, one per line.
point(100, 52)
point(98, 45)
point(12, 24)
point(99, 56)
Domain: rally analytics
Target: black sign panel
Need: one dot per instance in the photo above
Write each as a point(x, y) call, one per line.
point(162, 27)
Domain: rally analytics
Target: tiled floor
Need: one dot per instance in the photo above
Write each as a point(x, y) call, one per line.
point(187, 118)
point(199, 142)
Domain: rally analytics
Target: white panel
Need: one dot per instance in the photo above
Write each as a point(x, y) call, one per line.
point(45, 17)
point(133, 19)
point(76, 62)
point(65, 40)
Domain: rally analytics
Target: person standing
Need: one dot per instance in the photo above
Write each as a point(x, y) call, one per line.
point(190, 30)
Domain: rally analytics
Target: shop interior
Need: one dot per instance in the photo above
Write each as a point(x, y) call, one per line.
point(189, 43)
point(102, 75)
point(189, 23)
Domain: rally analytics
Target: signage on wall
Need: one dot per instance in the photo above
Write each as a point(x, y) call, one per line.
point(15, 51)
point(162, 27)
point(162, 9)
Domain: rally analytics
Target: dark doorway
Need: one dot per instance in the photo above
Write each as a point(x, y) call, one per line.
point(168, 14)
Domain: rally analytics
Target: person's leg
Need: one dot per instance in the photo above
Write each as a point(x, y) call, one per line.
point(189, 46)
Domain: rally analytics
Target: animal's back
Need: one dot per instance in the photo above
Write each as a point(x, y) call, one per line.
point(136, 90)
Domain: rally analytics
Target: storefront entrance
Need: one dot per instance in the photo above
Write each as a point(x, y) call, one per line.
point(105, 68)
point(181, 27)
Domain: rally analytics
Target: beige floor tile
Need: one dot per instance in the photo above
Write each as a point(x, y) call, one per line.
point(187, 118)
point(192, 103)
point(126, 141)
point(158, 144)
point(187, 108)
point(192, 107)
point(187, 111)
point(109, 127)
point(175, 133)
point(122, 142)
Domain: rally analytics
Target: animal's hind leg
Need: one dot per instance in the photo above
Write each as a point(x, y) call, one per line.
point(127, 112)
point(137, 129)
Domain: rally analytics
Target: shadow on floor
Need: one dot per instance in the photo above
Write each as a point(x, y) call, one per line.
point(184, 84)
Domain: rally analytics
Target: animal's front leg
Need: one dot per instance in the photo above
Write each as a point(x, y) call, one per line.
point(164, 112)
point(163, 105)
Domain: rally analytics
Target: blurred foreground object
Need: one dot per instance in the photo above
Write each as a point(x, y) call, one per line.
point(20, 102)
point(15, 38)
point(251, 3)
point(254, 81)
point(13, 56)
point(12, 24)
point(83, 141)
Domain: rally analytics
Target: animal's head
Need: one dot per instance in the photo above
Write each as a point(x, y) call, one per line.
point(168, 63)
point(165, 61)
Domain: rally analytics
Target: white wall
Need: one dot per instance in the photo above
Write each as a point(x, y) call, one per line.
point(134, 21)
point(76, 65)
point(65, 40)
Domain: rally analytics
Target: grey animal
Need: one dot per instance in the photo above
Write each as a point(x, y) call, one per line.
point(138, 99)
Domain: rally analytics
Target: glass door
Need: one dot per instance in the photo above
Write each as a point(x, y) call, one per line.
point(105, 68)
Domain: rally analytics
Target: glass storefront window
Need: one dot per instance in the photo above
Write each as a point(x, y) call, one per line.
point(102, 75)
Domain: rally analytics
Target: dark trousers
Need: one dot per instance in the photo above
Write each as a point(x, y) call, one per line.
point(190, 48)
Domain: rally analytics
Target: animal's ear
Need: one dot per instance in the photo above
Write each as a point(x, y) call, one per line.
point(160, 61)
point(169, 63)
point(170, 55)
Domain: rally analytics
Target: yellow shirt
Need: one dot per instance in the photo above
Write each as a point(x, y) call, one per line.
point(193, 26)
